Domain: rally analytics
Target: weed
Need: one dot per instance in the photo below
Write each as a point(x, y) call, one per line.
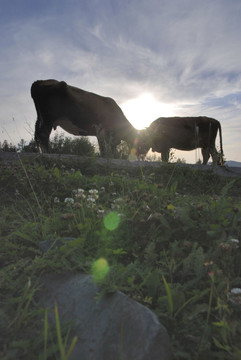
point(170, 237)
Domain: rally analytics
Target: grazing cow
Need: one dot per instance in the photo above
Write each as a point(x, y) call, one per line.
point(80, 113)
point(182, 133)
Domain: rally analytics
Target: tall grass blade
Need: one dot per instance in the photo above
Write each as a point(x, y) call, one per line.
point(71, 347)
point(169, 295)
point(45, 333)
point(59, 337)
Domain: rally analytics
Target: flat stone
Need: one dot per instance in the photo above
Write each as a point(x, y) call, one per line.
point(112, 327)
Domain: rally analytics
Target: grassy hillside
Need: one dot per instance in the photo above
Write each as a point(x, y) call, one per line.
point(171, 237)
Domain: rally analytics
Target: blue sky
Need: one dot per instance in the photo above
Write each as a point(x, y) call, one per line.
point(155, 58)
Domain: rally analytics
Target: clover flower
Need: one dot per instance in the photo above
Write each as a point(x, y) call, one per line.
point(56, 200)
point(235, 296)
point(235, 243)
point(90, 202)
point(79, 194)
point(93, 194)
point(69, 201)
point(100, 213)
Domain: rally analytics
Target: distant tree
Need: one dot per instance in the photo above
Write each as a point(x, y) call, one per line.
point(66, 145)
point(5, 146)
point(21, 145)
point(31, 147)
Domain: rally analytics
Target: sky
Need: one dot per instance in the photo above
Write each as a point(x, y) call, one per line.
point(154, 58)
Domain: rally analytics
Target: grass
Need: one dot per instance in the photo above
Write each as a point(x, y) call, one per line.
point(165, 237)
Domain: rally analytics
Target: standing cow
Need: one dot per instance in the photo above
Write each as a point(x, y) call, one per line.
point(182, 133)
point(79, 112)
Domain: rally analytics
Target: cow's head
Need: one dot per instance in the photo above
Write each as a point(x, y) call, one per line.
point(143, 144)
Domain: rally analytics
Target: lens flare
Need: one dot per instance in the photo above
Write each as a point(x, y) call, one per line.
point(100, 269)
point(111, 220)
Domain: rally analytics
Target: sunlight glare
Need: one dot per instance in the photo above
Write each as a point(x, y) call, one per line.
point(143, 110)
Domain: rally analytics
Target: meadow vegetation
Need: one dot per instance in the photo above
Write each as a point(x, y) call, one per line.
point(170, 236)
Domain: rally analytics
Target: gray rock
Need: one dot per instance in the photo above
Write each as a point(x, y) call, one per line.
point(113, 327)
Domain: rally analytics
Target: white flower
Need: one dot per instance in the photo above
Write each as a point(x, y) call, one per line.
point(102, 188)
point(90, 202)
point(235, 241)
point(235, 296)
point(100, 213)
point(236, 291)
point(79, 193)
point(69, 200)
point(94, 194)
point(121, 215)
point(93, 191)
point(56, 200)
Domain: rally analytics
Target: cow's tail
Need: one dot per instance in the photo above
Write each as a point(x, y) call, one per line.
point(221, 144)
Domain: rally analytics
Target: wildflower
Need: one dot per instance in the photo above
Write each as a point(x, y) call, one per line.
point(90, 202)
point(208, 263)
point(170, 207)
point(94, 193)
point(102, 189)
point(100, 213)
point(69, 201)
point(236, 291)
point(56, 200)
point(224, 246)
point(121, 215)
point(211, 274)
point(77, 205)
point(79, 193)
point(235, 296)
point(235, 243)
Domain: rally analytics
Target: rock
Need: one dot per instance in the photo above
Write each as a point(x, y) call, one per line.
point(112, 327)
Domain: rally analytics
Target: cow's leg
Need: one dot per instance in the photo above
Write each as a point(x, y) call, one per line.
point(107, 144)
point(206, 155)
point(165, 155)
point(42, 137)
point(214, 155)
point(101, 142)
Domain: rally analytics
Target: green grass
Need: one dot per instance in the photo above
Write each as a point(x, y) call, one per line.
point(166, 235)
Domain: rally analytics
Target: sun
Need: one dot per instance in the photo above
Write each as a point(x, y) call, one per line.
point(143, 110)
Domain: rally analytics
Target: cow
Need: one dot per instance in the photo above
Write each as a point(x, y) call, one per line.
point(79, 112)
point(182, 133)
